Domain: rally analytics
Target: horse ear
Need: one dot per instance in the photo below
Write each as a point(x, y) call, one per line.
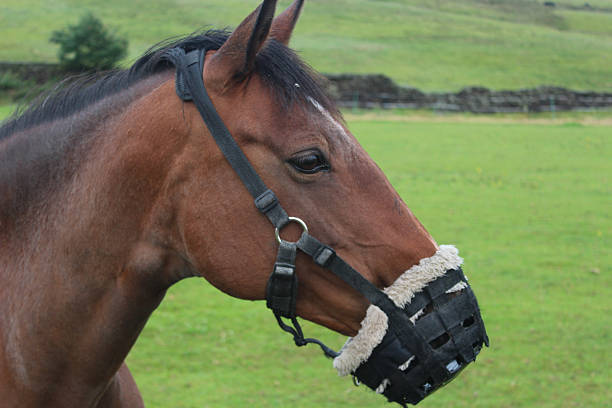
point(283, 25)
point(236, 58)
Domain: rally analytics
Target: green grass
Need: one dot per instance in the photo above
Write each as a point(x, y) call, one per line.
point(441, 45)
point(528, 207)
point(596, 116)
point(6, 110)
point(590, 23)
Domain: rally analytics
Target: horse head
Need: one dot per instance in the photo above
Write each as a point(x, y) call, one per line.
point(302, 149)
point(273, 109)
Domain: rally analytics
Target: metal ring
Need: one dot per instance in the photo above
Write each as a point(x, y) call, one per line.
point(291, 219)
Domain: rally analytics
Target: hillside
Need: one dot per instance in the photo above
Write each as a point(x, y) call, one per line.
point(429, 44)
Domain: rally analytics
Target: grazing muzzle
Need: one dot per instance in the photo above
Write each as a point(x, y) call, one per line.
point(434, 332)
point(418, 333)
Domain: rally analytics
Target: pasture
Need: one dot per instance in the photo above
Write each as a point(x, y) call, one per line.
point(528, 207)
point(442, 45)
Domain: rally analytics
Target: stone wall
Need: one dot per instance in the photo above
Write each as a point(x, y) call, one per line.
point(378, 91)
point(38, 73)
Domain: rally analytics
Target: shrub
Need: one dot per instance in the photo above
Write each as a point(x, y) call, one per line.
point(88, 46)
point(10, 81)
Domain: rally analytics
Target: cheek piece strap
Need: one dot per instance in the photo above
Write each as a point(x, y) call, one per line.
point(408, 363)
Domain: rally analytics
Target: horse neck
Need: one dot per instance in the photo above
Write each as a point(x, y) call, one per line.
point(83, 271)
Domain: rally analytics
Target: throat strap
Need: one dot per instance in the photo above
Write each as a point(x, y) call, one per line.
point(281, 290)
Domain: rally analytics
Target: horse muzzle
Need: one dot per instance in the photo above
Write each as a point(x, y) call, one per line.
point(435, 330)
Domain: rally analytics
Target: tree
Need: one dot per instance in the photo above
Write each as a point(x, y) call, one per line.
point(88, 45)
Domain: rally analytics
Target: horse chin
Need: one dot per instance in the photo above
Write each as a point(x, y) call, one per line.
point(346, 327)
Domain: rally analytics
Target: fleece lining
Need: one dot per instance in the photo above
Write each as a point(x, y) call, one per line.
point(374, 326)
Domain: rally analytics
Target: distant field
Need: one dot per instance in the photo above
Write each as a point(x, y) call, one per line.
point(528, 207)
point(441, 45)
point(605, 4)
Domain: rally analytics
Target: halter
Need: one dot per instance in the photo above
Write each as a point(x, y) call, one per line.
point(281, 289)
point(282, 286)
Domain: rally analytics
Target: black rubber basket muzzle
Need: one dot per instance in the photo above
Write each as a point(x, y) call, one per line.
point(451, 334)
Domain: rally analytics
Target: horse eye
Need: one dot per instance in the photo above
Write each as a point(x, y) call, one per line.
point(309, 162)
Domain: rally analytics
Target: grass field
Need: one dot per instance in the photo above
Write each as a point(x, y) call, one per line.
point(433, 45)
point(528, 206)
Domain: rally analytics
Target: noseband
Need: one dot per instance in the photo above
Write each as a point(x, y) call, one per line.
point(405, 341)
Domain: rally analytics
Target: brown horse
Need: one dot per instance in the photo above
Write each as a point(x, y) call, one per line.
point(112, 190)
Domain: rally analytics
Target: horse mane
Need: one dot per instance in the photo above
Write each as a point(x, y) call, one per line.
point(290, 79)
point(57, 127)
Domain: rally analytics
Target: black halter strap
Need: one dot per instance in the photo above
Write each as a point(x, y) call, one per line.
point(282, 285)
point(190, 87)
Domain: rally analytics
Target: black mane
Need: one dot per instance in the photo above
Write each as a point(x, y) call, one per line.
point(279, 67)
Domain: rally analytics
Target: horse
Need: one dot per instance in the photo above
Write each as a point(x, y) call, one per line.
point(113, 188)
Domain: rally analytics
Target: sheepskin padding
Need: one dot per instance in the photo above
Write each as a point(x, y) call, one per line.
point(374, 326)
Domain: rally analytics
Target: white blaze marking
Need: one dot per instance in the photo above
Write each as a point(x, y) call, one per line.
point(331, 120)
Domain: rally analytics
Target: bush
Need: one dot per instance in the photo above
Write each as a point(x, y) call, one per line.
point(88, 46)
point(15, 87)
point(10, 81)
